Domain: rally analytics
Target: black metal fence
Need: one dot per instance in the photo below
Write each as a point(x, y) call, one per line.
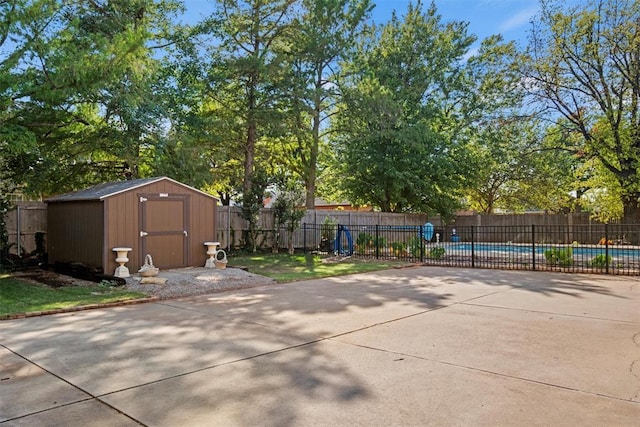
point(610, 249)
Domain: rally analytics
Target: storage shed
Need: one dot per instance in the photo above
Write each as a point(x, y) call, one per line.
point(157, 216)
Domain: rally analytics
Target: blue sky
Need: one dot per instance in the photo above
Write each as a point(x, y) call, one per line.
point(511, 18)
point(486, 17)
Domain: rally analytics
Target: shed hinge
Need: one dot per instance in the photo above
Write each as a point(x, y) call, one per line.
point(143, 199)
point(143, 233)
point(185, 233)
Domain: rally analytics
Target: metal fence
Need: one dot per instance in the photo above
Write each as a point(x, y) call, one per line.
point(609, 249)
point(570, 242)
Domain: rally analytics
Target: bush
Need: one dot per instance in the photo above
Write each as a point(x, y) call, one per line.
point(415, 245)
point(601, 261)
point(559, 256)
point(398, 248)
point(437, 252)
point(366, 242)
point(328, 229)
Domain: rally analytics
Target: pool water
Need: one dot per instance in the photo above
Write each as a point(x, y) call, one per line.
point(614, 252)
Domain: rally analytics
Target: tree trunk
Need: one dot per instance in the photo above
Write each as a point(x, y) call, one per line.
point(315, 145)
point(291, 247)
point(631, 209)
point(249, 153)
point(311, 185)
point(276, 240)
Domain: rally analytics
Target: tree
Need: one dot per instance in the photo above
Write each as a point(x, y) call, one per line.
point(75, 82)
point(244, 68)
point(288, 212)
point(583, 65)
point(601, 195)
point(394, 148)
point(243, 80)
point(324, 36)
point(252, 202)
point(516, 171)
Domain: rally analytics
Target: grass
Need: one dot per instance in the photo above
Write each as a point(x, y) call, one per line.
point(17, 296)
point(290, 268)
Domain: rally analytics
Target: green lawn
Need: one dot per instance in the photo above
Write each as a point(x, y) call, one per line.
point(290, 268)
point(17, 296)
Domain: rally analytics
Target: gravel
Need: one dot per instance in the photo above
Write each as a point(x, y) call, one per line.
point(197, 281)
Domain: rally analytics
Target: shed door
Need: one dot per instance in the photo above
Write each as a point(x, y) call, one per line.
point(164, 229)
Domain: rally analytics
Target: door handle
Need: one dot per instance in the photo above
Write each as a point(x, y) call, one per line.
point(185, 233)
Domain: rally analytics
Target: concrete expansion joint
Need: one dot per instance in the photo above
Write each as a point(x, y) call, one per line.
point(524, 310)
point(56, 406)
point(402, 356)
point(89, 395)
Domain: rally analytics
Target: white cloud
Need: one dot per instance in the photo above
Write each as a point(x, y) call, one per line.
point(519, 19)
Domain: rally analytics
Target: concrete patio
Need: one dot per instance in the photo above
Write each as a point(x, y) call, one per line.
point(409, 347)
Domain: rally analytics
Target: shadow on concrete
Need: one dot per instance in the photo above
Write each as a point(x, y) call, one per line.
point(184, 344)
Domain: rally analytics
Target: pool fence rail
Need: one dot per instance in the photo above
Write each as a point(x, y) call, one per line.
point(603, 248)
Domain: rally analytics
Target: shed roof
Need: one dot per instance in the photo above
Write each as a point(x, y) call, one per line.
point(109, 189)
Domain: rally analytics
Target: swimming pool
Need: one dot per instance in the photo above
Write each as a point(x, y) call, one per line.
point(581, 251)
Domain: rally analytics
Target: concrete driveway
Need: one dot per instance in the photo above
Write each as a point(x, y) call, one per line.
point(410, 347)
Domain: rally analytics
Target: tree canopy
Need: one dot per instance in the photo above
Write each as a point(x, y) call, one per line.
point(583, 65)
point(76, 89)
point(413, 114)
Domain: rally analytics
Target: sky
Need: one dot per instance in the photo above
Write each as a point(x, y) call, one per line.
point(511, 18)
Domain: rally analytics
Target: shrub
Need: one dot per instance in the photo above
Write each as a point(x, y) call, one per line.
point(328, 229)
point(559, 256)
point(415, 245)
point(601, 261)
point(437, 252)
point(398, 248)
point(365, 240)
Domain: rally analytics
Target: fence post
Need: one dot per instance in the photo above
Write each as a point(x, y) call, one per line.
point(606, 248)
point(18, 230)
point(533, 247)
point(304, 238)
point(377, 241)
point(421, 243)
point(229, 242)
point(473, 256)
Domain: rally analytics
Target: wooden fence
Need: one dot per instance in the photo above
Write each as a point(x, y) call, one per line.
point(231, 226)
point(29, 219)
point(24, 222)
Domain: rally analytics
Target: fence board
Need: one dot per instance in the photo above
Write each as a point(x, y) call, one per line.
point(231, 225)
point(23, 222)
point(491, 241)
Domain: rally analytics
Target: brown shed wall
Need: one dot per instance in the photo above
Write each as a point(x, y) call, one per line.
point(122, 217)
point(75, 232)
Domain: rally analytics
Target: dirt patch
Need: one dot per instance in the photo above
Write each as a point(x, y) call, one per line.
point(176, 283)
